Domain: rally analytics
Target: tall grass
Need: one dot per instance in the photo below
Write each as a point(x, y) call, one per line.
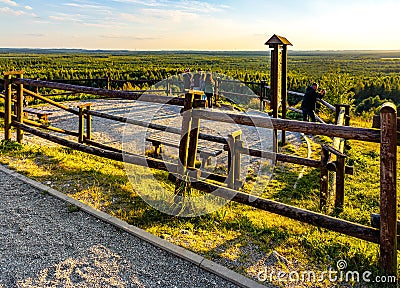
point(237, 236)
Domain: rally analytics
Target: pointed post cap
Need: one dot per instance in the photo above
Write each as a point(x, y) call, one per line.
point(277, 40)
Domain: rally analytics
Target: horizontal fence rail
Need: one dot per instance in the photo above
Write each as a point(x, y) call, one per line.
point(354, 133)
point(103, 92)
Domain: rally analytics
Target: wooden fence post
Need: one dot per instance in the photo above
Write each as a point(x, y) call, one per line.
point(83, 113)
point(261, 95)
point(81, 125)
point(234, 159)
point(168, 87)
point(7, 107)
point(340, 172)
point(347, 115)
point(88, 123)
point(20, 109)
point(108, 82)
point(184, 144)
point(388, 193)
point(284, 90)
point(193, 135)
point(217, 88)
point(324, 178)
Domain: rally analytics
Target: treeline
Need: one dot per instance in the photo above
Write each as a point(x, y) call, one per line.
point(349, 77)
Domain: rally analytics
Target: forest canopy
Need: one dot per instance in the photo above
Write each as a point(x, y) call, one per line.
point(350, 77)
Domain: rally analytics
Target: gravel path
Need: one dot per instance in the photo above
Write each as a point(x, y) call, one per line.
point(44, 244)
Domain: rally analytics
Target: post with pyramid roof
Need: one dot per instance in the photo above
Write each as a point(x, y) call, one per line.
point(278, 90)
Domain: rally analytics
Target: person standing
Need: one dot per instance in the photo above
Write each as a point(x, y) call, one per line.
point(308, 105)
point(209, 89)
point(187, 80)
point(197, 80)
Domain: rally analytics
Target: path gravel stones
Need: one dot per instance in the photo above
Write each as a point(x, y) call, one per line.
point(45, 243)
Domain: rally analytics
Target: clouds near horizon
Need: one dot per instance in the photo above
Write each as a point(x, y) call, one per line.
point(200, 25)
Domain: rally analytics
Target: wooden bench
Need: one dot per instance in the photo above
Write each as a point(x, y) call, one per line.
point(42, 115)
point(206, 152)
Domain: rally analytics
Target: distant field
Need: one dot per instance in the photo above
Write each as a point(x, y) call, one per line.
point(348, 76)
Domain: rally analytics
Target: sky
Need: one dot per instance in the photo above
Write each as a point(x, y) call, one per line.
point(200, 25)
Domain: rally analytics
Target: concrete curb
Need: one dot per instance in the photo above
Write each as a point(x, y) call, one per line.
point(178, 251)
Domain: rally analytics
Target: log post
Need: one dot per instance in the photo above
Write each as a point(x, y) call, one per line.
point(7, 107)
point(84, 112)
point(388, 193)
point(108, 82)
point(184, 145)
point(20, 108)
point(194, 132)
point(324, 178)
point(347, 115)
point(275, 93)
point(234, 163)
point(167, 87)
point(278, 79)
point(337, 113)
point(284, 90)
point(37, 92)
point(216, 91)
point(261, 84)
point(340, 171)
point(237, 183)
point(81, 124)
point(88, 123)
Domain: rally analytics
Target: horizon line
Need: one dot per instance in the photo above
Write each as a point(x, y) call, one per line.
point(193, 50)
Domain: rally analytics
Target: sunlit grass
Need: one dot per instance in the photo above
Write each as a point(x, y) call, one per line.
point(228, 234)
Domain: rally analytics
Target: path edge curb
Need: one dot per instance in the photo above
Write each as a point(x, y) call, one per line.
point(176, 250)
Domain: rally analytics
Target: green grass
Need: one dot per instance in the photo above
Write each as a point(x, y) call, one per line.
point(227, 235)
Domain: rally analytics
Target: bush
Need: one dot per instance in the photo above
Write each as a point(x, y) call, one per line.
point(370, 104)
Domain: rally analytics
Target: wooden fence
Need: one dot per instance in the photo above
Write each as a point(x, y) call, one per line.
point(386, 136)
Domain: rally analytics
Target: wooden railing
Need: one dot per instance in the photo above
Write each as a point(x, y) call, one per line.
point(386, 136)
